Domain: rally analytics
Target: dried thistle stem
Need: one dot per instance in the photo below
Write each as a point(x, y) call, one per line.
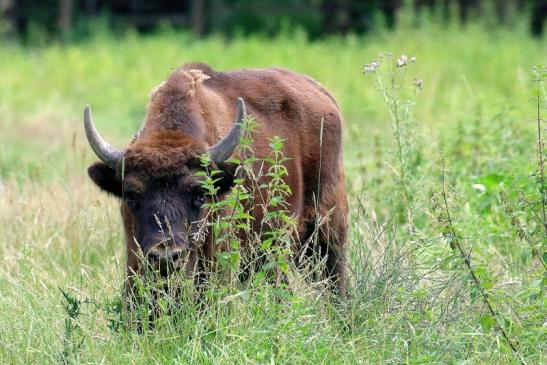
point(455, 244)
point(539, 80)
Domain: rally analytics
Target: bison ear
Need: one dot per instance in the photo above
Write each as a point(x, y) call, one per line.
point(105, 178)
point(227, 178)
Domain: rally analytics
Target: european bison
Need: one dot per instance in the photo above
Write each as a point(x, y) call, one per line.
point(191, 114)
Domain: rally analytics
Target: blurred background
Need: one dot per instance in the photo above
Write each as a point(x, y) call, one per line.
point(74, 19)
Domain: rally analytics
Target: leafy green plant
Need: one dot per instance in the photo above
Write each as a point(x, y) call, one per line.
point(278, 224)
point(229, 219)
point(72, 337)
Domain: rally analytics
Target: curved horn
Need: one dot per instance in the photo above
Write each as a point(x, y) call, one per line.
point(221, 151)
point(107, 153)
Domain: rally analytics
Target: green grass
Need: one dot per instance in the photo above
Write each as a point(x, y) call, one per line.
point(412, 300)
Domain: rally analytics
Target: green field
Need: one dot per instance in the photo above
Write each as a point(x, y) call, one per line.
point(413, 300)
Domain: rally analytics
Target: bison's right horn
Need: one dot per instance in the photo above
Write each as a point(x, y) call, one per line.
point(221, 151)
point(107, 153)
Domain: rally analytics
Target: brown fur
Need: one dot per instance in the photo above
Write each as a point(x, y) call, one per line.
point(195, 107)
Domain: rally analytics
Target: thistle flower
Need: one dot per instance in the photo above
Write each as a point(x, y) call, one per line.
point(371, 67)
point(368, 69)
point(402, 61)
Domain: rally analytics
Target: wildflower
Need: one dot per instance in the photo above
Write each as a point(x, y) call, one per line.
point(368, 69)
point(402, 61)
point(371, 67)
point(480, 187)
point(413, 59)
point(418, 83)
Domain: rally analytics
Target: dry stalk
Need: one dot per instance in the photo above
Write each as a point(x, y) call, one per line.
point(456, 245)
point(539, 80)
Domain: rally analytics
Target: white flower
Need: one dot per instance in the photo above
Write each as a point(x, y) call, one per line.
point(480, 187)
point(413, 59)
point(371, 67)
point(402, 61)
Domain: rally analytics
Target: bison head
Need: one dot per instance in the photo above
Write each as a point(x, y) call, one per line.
point(161, 196)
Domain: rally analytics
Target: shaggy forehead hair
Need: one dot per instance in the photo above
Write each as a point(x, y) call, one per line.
point(163, 154)
point(173, 104)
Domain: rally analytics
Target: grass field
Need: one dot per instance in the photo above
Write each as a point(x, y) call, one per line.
point(468, 148)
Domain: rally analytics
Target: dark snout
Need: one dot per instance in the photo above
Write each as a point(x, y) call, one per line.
point(167, 256)
point(164, 236)
point(159, 254)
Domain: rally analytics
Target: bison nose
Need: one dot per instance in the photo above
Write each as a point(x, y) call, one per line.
point(156, 255)
point(165, 258)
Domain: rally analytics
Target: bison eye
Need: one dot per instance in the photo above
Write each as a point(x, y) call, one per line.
point(199, 200)
point(131, 199)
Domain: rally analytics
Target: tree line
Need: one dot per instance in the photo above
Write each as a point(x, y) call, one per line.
point(71, 18)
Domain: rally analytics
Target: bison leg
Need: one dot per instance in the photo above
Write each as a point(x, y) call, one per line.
point(324, 241)
point(332, 237)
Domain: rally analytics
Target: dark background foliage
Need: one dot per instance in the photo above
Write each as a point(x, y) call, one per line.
point(73, 19)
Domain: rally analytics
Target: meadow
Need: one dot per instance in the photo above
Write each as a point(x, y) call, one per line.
point(445, 194)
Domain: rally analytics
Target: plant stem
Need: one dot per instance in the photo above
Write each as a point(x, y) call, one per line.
point(523, 232)
point(456, 244)
point(540, 151)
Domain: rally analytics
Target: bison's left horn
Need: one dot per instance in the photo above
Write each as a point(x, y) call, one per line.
point(107, 153)
point(221, 151)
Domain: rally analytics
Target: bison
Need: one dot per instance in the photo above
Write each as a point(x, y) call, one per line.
point(191, 114)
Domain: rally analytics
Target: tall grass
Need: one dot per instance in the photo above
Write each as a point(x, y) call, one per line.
point(412, 299)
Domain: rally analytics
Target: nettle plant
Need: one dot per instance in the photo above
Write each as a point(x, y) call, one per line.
point(266, 253)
